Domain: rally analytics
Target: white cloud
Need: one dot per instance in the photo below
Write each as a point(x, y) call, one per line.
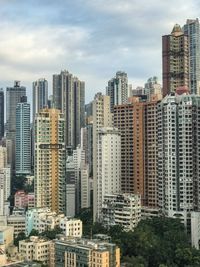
point(91, 38)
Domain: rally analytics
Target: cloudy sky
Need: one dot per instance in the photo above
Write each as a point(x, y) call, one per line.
point(90, 38)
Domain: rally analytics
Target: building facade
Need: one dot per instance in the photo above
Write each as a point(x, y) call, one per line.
point(23, 138)
point(84, 252)
point(192, 29)
point(13, 96)
point(50, 158)
point(35, 248)
point(40, 96)
point(129, 119)
point(102, 117)
point(69, 97)
point(24, 200)
point(117, 89)
point(1, 114)
point(178, 153)
point(71, 227)
point(175, 60)
point(152, 87)
point(108, 165)
point(121, 209)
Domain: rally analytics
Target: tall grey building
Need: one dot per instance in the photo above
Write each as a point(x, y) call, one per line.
point(178, 153)
point(117, 89)
point(39, 101)
point(40, 95)
point(69, 97)
point(23, 138)
point(13, 96)
point(1, 113)
point(192, 29)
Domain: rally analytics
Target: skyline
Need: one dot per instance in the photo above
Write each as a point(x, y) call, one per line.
point(91, 39)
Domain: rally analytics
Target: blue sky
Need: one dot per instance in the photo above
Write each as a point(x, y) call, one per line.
point(91, 38)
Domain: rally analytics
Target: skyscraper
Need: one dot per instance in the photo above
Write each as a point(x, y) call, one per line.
point(69, 97)
point(117, 89)
point(192, 29)
point(50, 160)
point(4, 180)
point(1, 113)
point(175, 60)
point(108, 166)
point(81, 179)
point(13, 96)
point(129, 119)
point(137, 123)
point(150, 141)
point(40, 95)
point(178, 153)
point(23, 138)
point(102, 117)
point(152, 87)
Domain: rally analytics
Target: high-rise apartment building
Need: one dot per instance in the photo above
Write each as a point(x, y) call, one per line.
point(137, 123)
point(23, 138)
point(150, 141)
point(1, 114)
point(175, 60)
point(70, 187)
point(13, 96)
point(69, 97)
point(102, 117)
point(50, 160)
point(40, 96)
point(5, 188)
point(129, 119)
point(178, 153)
point(152, 87)
point(192, 29)
point(4, 180)
point(3, 157)
point(81, 179)
point(108, 166)
point(117, 89)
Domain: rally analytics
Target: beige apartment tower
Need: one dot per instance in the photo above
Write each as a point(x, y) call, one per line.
point(175, 60)
point(50, 160)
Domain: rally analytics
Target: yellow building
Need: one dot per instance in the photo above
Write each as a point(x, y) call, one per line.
point(85, 252)
point(50, 160)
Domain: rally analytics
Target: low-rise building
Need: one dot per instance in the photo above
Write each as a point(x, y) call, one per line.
point(18, 223)
point(121, 209)
point(71, 227)
point(35, 248)
point(16, 220)
point(24, 200)
point(147, 212)
point(41, 219)
point(85, 252)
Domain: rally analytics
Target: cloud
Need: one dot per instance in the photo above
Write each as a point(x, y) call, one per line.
point(92, 39)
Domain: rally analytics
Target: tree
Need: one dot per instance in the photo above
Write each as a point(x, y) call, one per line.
point(21, 236)
point(51, 234)
point(34, 232)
